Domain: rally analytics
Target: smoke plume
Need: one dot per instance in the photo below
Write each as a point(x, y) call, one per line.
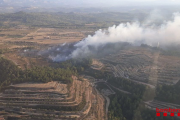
point(108, 40)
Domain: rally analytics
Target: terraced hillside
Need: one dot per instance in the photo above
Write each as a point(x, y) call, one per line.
point(144, 65)
point(52, 100)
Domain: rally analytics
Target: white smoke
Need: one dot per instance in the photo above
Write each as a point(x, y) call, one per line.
point(167, 33)
point(107, 41)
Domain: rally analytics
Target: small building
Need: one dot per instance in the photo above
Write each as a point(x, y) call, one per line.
point(47, 37)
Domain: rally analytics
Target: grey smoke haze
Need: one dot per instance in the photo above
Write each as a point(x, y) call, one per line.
point(167, 33)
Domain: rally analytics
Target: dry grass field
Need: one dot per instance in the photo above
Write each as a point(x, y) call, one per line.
point(42, 35)
point(14, 41)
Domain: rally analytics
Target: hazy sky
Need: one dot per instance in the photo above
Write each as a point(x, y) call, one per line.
point(91, 3)
point(102, 3)
point(133, 2)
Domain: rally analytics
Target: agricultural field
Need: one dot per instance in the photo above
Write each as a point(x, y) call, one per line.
point(144, 65)
point(17, 41)
point(103, 86)
point(30, 36)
